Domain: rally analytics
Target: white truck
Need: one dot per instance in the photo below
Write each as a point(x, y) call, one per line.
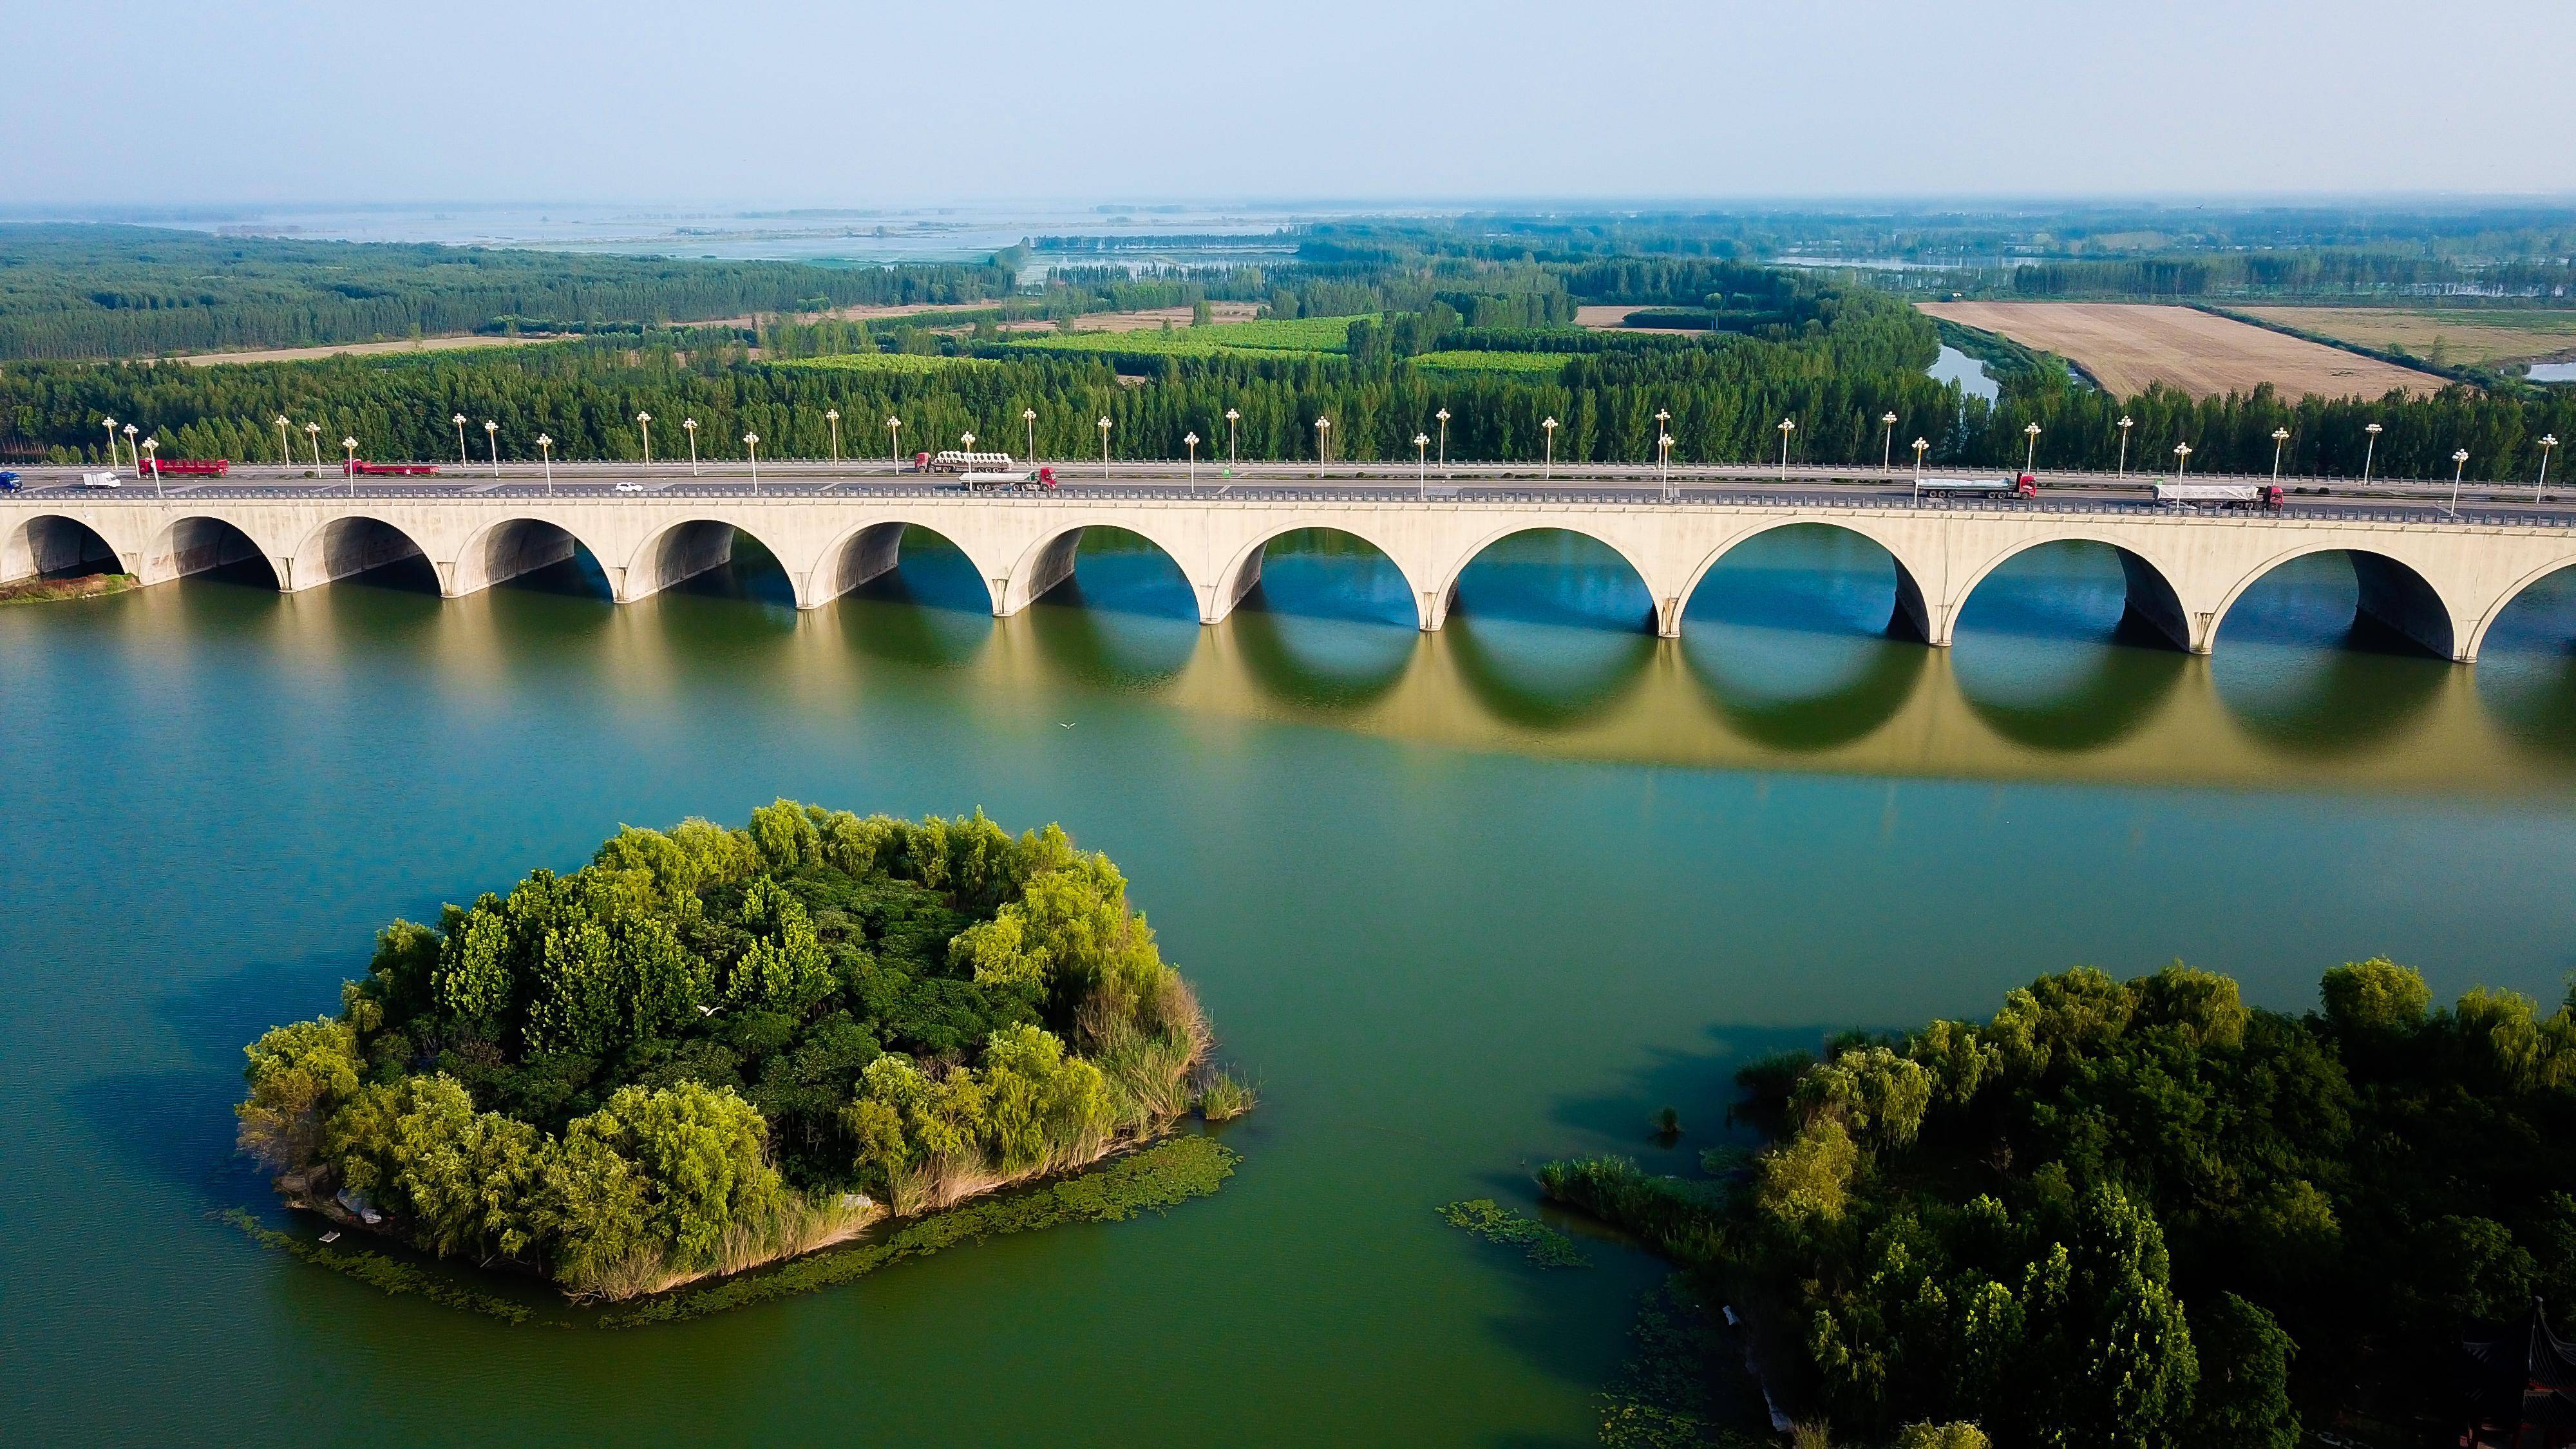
point(2219, 495)
point(101, 480)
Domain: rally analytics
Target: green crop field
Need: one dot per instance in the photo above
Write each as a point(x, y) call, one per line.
point(1276, 334)
point(897, 362)
point(1524, 363)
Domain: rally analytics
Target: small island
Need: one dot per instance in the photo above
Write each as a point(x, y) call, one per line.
point(714, 1048)
point(2136, 1213)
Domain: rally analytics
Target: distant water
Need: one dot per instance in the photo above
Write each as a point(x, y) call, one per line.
point(2552, 372)
point(1956, 366)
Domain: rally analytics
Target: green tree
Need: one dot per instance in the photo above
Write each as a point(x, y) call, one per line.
point(299, 1074)
point(2244, 1396)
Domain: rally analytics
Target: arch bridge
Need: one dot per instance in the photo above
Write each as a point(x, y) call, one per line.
point(2440, 582)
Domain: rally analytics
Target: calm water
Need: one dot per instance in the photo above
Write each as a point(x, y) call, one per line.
point(1969, 373)
point(1460, 902)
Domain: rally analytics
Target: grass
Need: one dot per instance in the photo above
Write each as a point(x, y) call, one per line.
point(1487, 1219)
point(1520, 362)
point(385, 1275)
point(1155, 1180)
point(909, 363)
point(47, 591)
point(1223, 1099)
point(2447, 336)
point(1274, 334)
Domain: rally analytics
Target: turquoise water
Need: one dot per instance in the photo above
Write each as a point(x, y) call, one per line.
point(1458, 902)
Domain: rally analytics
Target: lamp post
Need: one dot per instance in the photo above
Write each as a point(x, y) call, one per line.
point(1443, 416)
point(130, 431)
point(644, 421)
point(1887, 445)
point(1422, 467)
point(1231, 418)
point(2369, 451)
point(152, 446)
point(751, 441)
point(1786, 428)
point(1029, 416)
point(2030, 454)
point(313, 435)
point(546, 450)
point(1920, 447)
point(833, 416)
point(2125, 422)
point(1192, 440)
point(2280, 439)
point(2547, 442)
point(1323, 444)
point(1547, 459)
point(492, 436)
point(1663, 425)
point(2459, 465)
point(285, 454)
point(350, 446)
point(113, 459)
point(1664, 459)
point(459, 420)
point(690, 427)
point(894, 439)
point(1104, 445)
point(2182, 456)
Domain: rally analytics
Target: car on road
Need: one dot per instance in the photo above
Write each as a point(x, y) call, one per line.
point(630, 487)
point(101, 480)
point(8, 481)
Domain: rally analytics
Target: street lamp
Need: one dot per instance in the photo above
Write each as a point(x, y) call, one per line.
point(1664, 460)
point(313, 435)
point(1029, 416)
point(2459, 465)
point(894, 439)
point(752, 442)
point(1192, 440)
point(1920, 447)
point(1231, 418)
point(546, 449)
point(1104, 445)
point(1443, 416)
point(2030, 454)
point(2182, 456)
point(138, 457)
point(2280, 437)
point(1887, 445)
point(2125, 422)
point(285, 454)
point(113, 459)
point(833, 416)
point(1422, 466)
point(645, 422)
point(2369, 451)
point(1323, 444)
point(690, 426)
point(1786, 428)
point(2547, 442)
point(350, 446)
point(1547, 460)
point(459, 420)
point(492, 436)
point(1663, 425)
point(153, 447)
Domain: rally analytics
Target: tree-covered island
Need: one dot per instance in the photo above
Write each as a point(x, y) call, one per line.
point(2138, 1214)
point(712, 1048)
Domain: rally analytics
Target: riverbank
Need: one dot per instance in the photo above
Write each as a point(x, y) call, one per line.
point(52, 591)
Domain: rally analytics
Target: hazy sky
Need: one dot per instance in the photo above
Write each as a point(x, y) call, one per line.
point(776, 101)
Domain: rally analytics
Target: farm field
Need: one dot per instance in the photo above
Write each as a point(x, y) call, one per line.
point(338, 349)
point(1549, 363)
point(1276, 334)
point(1614, 318)
point(2459, 337)
point(907, 363)
point(2127, 345)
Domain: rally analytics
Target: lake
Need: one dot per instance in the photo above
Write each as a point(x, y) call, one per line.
point(1458, 903)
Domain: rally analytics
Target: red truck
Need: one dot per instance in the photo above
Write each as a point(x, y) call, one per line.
point(366, 469)
point(188, 467)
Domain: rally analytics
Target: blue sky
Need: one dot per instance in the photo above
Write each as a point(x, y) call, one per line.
point(152, 102)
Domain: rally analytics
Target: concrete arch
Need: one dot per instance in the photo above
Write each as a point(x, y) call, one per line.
point(1048, 561)
point(52, 543)
point(869, 551)
point(2504, 601)
point(349, 543)
point(1236, 576)
point(505, 548)
point(681, 550)
point(2152, 597)
point(200, 542)
point(1913, 616)
point(2393, 592)
point(1437, 603)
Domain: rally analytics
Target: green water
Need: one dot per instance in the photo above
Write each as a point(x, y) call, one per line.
point(1458, 902)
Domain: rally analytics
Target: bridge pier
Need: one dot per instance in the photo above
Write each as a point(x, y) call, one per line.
point(1050, 564)
point(869, 556)
point(2152, 601)
point(1219, 599)
point(2397, 598)
point(683, 552)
